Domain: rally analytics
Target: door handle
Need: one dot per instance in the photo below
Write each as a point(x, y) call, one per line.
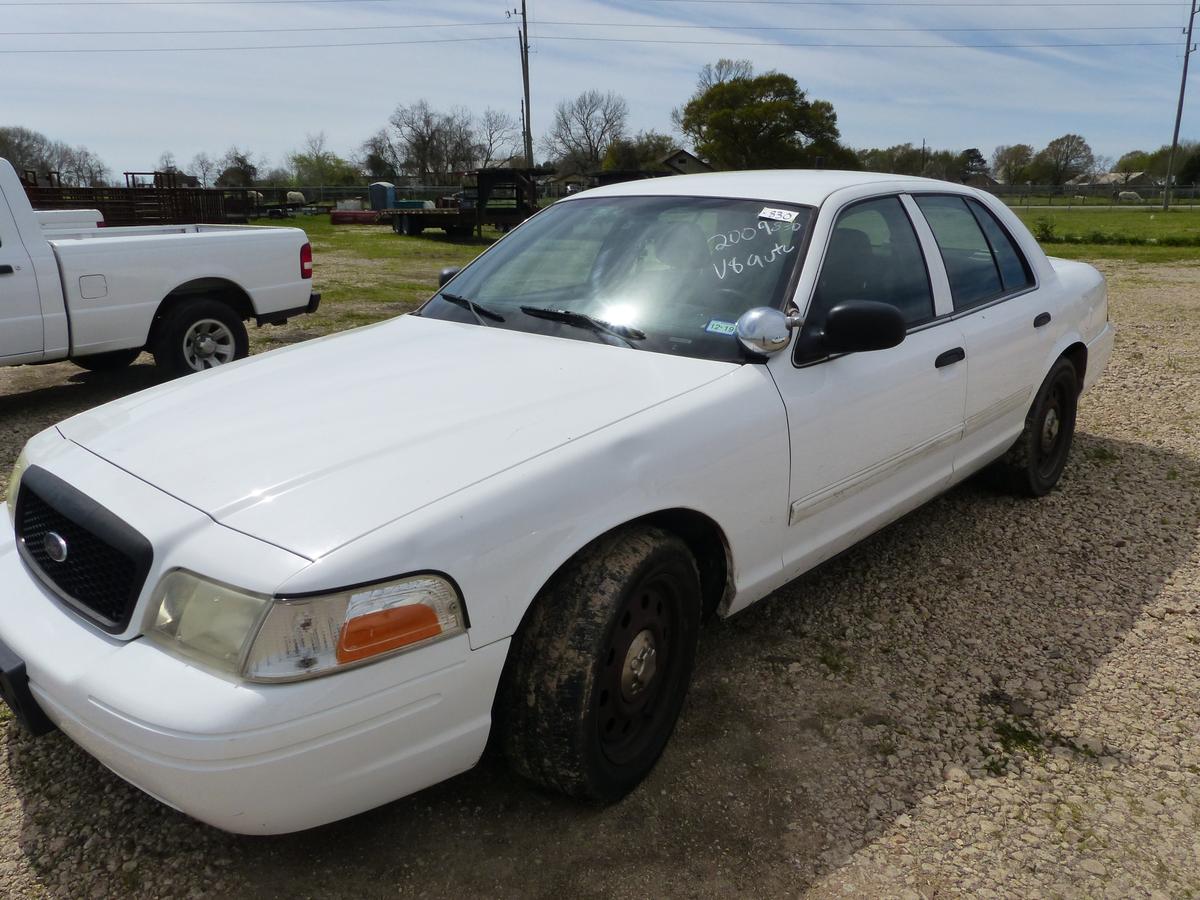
point(1042, 319)
point(950, 357)
point(6, 269)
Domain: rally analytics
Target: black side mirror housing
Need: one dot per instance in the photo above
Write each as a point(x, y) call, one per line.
point(856, 326)
point(447, 274)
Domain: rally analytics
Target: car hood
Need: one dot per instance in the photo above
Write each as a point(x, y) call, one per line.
point(314, 445)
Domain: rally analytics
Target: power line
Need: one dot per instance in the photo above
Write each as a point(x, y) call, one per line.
point(833, 3)
point(326, 28)
point(841, 45)
point(254, 47)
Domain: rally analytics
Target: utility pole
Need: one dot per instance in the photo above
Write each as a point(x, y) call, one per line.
point(1187, 55)
point(523, 42)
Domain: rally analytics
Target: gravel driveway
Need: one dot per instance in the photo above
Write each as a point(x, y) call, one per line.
point(993, 698)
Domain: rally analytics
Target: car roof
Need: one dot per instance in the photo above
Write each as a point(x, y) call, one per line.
point(808, 187)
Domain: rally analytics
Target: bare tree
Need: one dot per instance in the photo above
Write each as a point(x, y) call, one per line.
point(419, 139)
point(497, 136)
point(378, 156)
point(166, 162)
point(722, 71)
point(203, 167)
point(584, 127)
point(28, 149)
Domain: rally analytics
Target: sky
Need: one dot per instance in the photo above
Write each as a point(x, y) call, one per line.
point(130, 107)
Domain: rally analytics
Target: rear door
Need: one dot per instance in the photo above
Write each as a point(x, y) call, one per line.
point(21, 337)
point(1007, 329)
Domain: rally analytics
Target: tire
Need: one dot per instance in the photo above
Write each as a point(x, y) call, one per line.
point(409, 226)
point(108, 362)
point(1034, 464)
point(575, 715)
point(180, 346)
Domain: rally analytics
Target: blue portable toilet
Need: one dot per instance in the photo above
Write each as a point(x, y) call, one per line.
point(382, 195)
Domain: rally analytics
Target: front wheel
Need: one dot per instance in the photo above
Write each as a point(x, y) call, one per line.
point(1034, 464)
point(598, 674)
point(200, 334)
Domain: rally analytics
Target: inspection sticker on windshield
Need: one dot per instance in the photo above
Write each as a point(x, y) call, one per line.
point(779, 215)
point(716, 326)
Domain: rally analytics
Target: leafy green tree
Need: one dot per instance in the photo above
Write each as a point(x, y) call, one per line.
point(1010, 163)
point(1062, 159)
point(762, 121)
point(1189, 171)
point(643, 153)
point(971, 164)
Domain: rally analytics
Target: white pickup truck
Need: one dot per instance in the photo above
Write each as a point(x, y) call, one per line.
point(100, 296)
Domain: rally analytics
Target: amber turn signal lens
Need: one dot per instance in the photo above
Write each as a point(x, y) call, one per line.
point(388, 629)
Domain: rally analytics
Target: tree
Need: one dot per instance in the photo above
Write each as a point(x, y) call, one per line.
point(237, 169)
point(166, 162)
point(315, 164)
point(29, 149)
point(762, 121)
point(971, 164)
point(643, 153)
point(584, 128)
point(378, 158)
point(1062, 159)
point(431, 144)
point(497, 136)
point(1010, 163)
point(1189, 171)
point(203, 167)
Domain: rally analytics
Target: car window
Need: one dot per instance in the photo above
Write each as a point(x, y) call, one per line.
point(669, 274)
point(970, 266)
point(874, 254)
point(1014, 270)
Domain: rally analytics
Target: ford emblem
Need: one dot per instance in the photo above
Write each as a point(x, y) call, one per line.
point(55, 547)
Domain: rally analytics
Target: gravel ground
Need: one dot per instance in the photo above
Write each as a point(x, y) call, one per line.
point(990, 698)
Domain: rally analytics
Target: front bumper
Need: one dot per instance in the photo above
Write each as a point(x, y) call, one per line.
point(249, 758)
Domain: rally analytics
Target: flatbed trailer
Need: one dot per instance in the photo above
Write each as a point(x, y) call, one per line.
point(500, 198)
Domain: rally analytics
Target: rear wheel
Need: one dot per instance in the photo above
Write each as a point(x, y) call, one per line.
point(200, 334)
point(1036, 461)
point(599, 672)
point(108, 362)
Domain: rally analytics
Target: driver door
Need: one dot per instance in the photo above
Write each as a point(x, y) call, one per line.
point(873, 434)
point(20, 305)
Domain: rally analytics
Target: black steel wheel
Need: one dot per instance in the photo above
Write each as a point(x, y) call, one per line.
point(599, 671)
point(1036, 461)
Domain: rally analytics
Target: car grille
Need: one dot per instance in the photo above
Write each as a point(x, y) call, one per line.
point(106, 561)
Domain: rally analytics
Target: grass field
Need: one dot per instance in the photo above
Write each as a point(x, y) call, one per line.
point(368, 273)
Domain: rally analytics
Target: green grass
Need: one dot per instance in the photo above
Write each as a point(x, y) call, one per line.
point(1141, 234)
point(367, 272)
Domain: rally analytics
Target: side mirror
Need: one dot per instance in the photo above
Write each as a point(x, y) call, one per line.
point(447, 274)
point(860, 325)
point(764, 330)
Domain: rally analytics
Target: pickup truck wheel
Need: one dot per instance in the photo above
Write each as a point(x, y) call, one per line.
point(1036, 461)
point(599, 671)
point(198, 335)
point(108, 362)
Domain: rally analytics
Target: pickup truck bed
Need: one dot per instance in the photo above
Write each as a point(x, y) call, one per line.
point(99, 296)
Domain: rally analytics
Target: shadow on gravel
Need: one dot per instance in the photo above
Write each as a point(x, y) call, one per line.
point(818, 719)
point(38, 396)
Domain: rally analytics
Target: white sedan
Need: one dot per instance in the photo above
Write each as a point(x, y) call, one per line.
point(306, 584)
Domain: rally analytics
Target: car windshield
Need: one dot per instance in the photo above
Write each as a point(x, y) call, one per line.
point(659, 274)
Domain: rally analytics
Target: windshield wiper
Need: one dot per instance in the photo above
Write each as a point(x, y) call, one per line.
point(479, 312)
point(582, 320)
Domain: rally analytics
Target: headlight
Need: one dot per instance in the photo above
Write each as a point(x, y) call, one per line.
point(286, 639)
point(14, 484)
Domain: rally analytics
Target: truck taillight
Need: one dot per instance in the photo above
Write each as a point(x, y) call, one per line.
point(306, 261)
